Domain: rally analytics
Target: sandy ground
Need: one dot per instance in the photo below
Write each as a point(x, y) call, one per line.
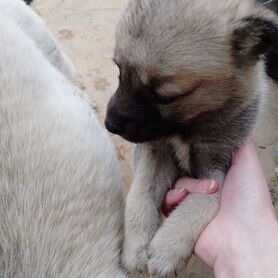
point(85, 29)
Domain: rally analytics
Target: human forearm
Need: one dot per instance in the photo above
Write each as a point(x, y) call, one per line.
point(255, 258)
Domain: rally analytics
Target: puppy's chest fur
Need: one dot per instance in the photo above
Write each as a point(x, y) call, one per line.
point(187, 166)
point(181, 155)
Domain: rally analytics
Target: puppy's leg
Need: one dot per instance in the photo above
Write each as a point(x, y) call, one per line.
point(154, 175)
point(173, 244)
point(34, 27)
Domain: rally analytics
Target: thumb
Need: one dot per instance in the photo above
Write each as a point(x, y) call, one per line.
point(197, 186)
point(184, 187)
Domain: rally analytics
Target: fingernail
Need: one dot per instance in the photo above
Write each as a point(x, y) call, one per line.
point(182, 190)
point(212, 185)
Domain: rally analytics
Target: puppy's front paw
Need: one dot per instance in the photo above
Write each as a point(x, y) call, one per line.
point(135, 257)
point(167, 256)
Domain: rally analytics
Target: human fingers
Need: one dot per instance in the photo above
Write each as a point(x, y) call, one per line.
point(184, 187)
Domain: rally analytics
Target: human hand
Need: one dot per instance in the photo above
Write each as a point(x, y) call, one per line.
point(183, 188)
point(242, 240)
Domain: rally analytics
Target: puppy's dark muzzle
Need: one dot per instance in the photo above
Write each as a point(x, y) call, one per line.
point(113, 127)
point(114, 122)
point(134, 119)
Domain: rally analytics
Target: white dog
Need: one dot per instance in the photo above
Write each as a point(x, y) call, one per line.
point(33, 26)
point(61, 207)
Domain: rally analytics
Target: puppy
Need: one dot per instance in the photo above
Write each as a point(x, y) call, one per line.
point(192, 82)
point(61, 203)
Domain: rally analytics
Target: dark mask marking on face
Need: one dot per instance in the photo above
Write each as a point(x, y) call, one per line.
point(132, 112)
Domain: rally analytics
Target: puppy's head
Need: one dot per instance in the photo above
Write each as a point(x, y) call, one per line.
point(182, 59)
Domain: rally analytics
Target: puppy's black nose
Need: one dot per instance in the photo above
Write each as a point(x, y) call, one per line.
point(114, 128)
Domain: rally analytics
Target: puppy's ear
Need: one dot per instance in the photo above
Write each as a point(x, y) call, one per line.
point(253, 38)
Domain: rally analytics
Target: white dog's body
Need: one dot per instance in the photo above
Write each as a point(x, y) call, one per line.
point(32, 25)
point(60, 187)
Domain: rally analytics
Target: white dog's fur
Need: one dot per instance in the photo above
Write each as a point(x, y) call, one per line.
point(33, 26)
point(61, 206)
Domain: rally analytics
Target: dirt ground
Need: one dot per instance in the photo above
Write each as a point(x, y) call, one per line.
point(85, 29)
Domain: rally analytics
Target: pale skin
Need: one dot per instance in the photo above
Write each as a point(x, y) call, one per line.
point(242, 240)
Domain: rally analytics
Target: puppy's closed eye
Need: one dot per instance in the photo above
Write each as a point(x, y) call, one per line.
point(164, 100)
point(167, 99)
